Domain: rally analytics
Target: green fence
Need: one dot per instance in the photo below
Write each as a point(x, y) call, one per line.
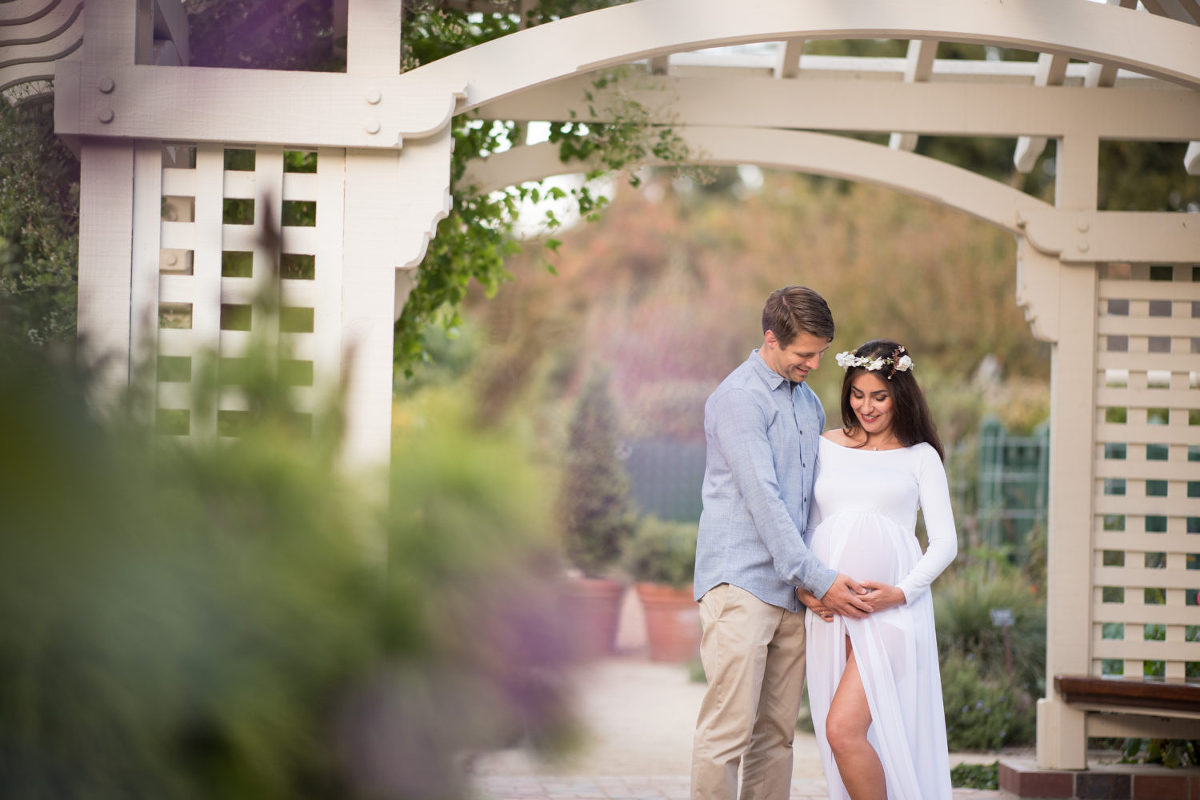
point(1012, 486)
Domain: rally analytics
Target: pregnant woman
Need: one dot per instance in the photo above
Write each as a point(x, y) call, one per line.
point(873, 683)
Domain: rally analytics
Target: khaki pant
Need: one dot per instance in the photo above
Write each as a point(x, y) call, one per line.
point(753, 656)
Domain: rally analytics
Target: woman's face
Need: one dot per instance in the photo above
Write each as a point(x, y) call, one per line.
point(871, 401)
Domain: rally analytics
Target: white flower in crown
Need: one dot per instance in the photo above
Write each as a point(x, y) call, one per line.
point(847, 360)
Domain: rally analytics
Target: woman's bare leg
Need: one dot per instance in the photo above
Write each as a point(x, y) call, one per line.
point(846, 728)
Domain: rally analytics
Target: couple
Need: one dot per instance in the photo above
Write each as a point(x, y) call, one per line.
point(793, 516)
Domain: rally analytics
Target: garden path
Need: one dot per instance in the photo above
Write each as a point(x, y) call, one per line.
point(639, 717)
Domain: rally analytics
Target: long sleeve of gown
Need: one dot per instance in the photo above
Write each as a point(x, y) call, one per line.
point(934, 493)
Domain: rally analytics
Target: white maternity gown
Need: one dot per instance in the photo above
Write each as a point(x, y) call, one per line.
point(863, 524)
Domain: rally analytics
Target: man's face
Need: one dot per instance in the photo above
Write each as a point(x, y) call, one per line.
point(796, 360)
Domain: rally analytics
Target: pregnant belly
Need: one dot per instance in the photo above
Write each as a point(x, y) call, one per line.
point(865, 546)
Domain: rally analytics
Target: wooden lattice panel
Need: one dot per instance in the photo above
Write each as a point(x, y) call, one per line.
point(1146, 569)
point(228, 219)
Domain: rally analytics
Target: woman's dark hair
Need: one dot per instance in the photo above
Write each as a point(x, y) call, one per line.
point(911, 421)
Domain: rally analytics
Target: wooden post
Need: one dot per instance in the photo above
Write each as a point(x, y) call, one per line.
point(1061, 732)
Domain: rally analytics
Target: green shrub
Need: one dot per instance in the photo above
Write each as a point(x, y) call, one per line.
point(1168, 752)
point(963, 601)
point(39, 227)
point(976, 776)
point(987, 704)
point(662, 551)
point(983, 713)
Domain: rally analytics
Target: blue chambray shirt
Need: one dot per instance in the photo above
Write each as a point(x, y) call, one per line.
point(762, 436)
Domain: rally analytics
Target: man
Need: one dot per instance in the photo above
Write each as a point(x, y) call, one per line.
point(762, 426)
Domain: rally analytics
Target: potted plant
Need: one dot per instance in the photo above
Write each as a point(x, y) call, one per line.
point(596, 515)
point(661, 559)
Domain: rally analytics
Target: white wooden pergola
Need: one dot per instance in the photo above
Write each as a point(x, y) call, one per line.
point(1117, 294)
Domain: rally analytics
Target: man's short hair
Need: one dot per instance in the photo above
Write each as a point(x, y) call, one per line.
point(795, 309)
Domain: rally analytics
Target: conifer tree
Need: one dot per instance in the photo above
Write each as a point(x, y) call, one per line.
point(595, 508)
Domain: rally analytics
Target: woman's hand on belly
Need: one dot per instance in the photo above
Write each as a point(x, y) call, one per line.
point(814, 605)
point(881, 596)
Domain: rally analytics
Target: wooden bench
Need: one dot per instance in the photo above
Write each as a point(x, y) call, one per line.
point(1144, 695)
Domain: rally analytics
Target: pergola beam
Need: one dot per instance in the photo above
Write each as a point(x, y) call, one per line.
point(1105, 74)
point(1191, 159)
point(1153, 45)
point(1052, 71)
point(933, 108)
point(790, 52)
point(918, 66)
point(378, 107)
point(706, 63)
point(337, 108)
point(237, 105)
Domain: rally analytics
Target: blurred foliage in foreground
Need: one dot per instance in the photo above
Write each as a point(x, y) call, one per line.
point(241, 620)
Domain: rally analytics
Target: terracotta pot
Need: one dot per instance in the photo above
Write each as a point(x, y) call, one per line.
point(672, 622)
point(593, 610)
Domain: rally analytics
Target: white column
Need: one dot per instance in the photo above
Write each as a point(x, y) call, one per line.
point(144, 272)
point(368, 278)
point(373, 37)
point(105, 256)
point(105, 212)
point(394, 200)
point(1061, 730)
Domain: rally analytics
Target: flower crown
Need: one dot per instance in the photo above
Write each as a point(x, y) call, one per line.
point(898, 361)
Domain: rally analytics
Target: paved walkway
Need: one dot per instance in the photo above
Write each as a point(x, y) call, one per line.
point(638, 718)
point(633, 787)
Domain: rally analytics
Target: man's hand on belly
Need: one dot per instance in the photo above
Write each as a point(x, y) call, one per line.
point(845, 597)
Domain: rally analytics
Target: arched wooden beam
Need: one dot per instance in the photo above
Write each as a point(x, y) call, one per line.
point(1076, 28)
point(800, 151)
point(373, 107)
point(1080, 237)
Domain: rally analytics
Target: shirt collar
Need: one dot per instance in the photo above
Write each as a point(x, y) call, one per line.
point(769, 376)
